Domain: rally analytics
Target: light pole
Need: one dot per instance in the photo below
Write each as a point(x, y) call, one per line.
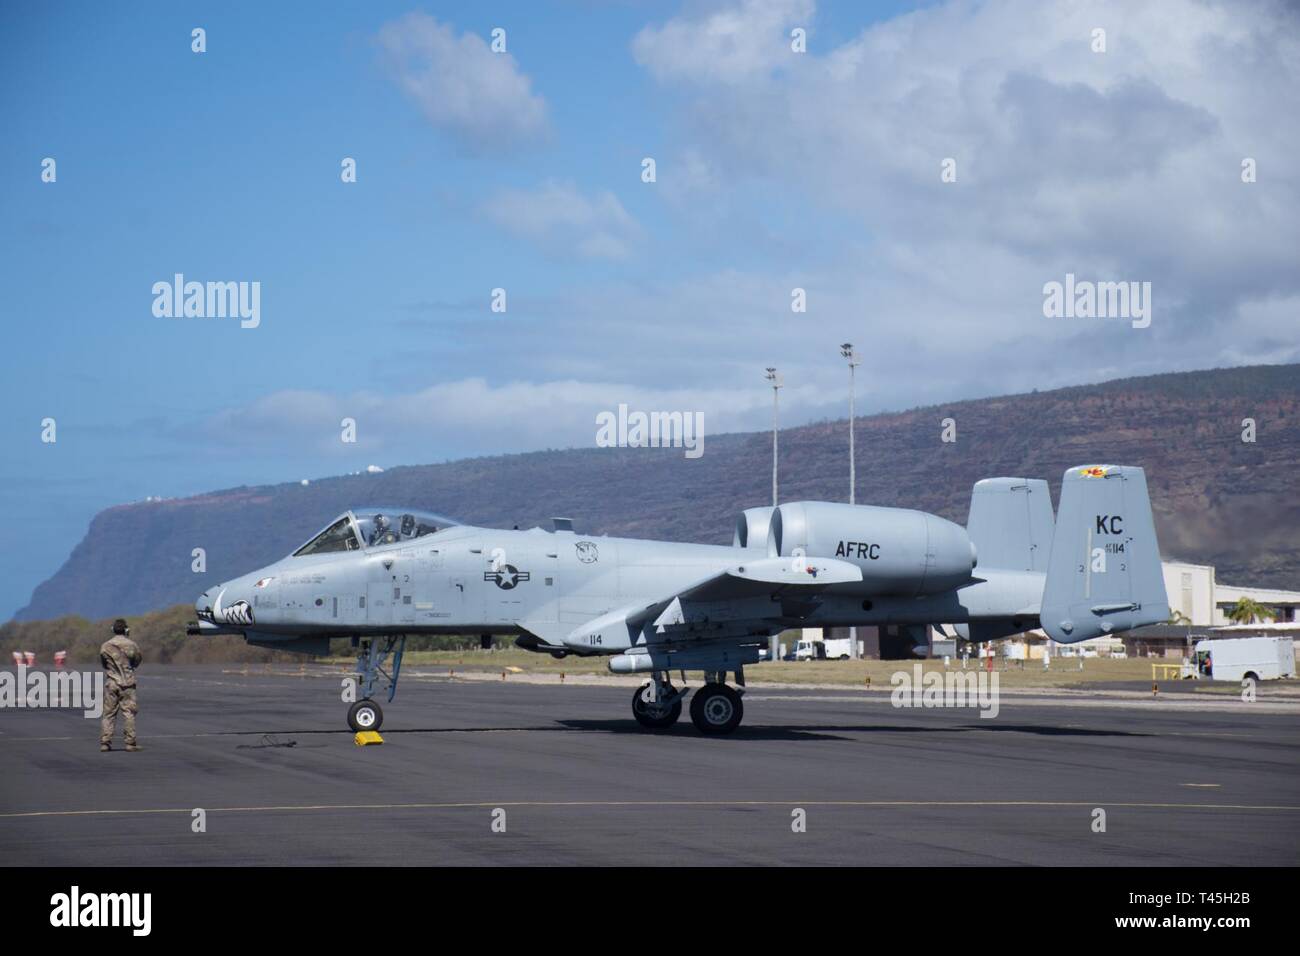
point(771, 374)
point(775, 378)
point(846, 350)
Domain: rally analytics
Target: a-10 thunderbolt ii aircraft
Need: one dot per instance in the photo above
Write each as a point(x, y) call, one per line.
point(376, 575)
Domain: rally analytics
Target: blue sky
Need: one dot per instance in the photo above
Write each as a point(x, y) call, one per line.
point(522, 170)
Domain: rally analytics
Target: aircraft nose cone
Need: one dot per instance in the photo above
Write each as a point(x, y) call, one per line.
point(214, 598)
point(228, 604)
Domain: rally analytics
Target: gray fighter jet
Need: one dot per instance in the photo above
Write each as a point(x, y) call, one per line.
point(376, 575)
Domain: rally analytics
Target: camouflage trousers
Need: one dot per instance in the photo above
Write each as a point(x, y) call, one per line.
point(118, 699)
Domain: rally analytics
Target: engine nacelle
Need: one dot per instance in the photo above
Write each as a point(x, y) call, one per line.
point(901, 552)
point(751, 528)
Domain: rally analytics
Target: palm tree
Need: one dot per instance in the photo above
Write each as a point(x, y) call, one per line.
point(1247, 611)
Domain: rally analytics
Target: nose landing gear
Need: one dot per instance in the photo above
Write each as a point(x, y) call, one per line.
point(365, 714)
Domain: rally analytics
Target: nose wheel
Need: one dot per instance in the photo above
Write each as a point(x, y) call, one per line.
point(716, 709)
point(365, 715)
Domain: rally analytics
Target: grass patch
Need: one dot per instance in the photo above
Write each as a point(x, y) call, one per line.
point(1063, 672)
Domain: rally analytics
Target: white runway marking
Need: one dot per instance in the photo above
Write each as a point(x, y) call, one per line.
point(557, 804)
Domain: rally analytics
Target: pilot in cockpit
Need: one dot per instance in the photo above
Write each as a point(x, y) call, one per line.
point(381, 525)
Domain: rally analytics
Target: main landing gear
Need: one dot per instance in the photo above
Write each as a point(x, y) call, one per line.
point(366, 714)
point(715, 708)
point(657, 705)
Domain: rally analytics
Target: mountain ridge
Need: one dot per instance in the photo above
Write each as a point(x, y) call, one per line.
point(1218, 500)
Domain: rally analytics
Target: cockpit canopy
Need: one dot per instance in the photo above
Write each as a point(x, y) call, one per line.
point(371, 527)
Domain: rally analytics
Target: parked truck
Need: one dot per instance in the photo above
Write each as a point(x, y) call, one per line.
point(1237, 658)
point(836, 648)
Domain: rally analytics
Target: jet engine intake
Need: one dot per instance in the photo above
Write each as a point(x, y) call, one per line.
point(751, 528)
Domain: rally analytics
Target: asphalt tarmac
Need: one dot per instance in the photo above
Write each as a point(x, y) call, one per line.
point(491, 772)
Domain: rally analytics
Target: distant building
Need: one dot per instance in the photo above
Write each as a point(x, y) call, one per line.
point(1194, 591)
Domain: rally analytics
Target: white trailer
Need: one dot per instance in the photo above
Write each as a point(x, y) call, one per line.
point(1235, 659)
point(836, 648)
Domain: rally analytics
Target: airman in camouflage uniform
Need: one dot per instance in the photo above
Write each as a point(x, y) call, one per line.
point(120, 656)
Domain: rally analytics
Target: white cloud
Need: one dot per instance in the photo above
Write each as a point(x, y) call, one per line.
point(823, 173)
point(557, 216)
point(480, 97)
point(725, 45)
point(474, 416)
point(1122, 165)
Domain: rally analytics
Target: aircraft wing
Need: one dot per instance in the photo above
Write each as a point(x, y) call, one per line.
point(753, 597)
point(771, 577)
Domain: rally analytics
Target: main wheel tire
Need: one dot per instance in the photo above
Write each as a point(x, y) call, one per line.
point(644, 713)
point(716, 709)
point(365, 715)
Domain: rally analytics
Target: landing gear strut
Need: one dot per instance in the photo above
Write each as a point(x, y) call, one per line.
point(365, 714)
point(657, 705)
